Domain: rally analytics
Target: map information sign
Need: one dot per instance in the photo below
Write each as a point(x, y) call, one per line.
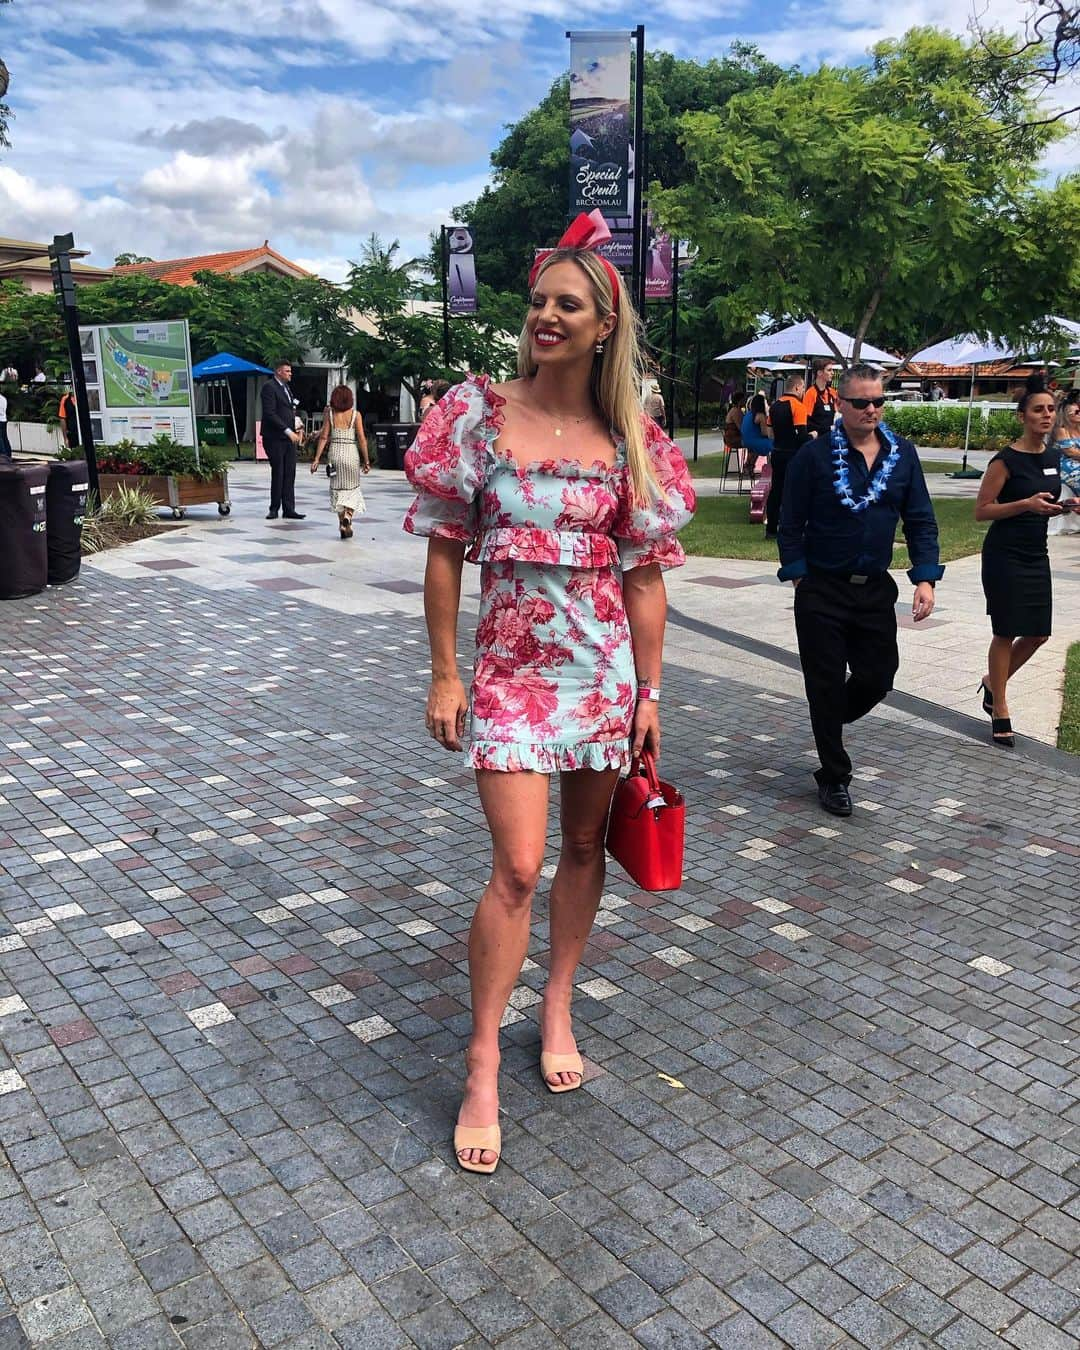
point(139, 379)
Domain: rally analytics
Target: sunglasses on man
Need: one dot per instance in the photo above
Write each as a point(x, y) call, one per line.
point(862, 403)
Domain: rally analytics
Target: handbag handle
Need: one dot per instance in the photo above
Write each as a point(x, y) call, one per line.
point(645, 764)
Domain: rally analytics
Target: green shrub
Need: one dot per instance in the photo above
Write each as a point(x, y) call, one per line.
point(165, 456)
point(930, 424)
point(129, 506)
point(104, 525)
point(162, 456)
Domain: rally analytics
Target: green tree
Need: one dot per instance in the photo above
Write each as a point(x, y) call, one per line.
point(258, 315)
point(903, 195)
point(388, 326)
point(126, 259)
point(30, 327)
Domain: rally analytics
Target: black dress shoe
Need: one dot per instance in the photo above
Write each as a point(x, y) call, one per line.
point(292, 515)
point(271, 515)
point(835, 798)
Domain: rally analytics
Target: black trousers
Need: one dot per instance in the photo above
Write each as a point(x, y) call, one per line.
point(282, 457)
point(779, 459)
point(843, 626)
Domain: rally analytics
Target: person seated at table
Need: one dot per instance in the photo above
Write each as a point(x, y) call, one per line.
point(756, 432)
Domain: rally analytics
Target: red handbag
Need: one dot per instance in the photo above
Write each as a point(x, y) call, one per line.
point(646, 827)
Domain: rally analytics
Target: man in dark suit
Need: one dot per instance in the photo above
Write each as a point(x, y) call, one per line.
point(280, 439)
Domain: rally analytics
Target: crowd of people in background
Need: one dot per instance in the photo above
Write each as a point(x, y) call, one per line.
point(1029, 490)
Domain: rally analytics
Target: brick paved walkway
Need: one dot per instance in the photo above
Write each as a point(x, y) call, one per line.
point(832, 1095)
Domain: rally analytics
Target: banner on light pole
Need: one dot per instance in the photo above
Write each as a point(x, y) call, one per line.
point(659, 268)
point(600, 123)
point(461, 270)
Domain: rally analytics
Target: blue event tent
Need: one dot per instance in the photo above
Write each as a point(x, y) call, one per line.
point(224, 363)
point(220, 367)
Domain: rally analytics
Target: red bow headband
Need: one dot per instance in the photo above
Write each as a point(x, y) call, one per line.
point(586, 233)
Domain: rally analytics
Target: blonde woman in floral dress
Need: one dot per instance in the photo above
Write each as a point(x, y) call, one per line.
point(343, 435)
point(569, 497)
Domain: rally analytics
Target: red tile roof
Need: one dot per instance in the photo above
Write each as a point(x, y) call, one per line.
point(181, 271)
point(992, 370)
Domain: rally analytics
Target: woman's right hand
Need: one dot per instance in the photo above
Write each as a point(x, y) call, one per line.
point(1043, 504)
point(444, 717)
point(314, 466)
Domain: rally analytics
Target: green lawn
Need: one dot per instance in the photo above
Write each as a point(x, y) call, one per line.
point(1069, 731)
point(712, 466)
point(721, 529)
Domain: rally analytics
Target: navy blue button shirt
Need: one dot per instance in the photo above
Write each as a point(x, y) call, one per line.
point(817, 532)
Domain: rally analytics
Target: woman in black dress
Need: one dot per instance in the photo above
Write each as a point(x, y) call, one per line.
point(1018, 494)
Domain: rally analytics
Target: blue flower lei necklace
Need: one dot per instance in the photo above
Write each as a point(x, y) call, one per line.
point(842, 476)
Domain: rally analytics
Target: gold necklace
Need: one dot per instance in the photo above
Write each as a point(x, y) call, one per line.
point(577, 421)
point(560, 422)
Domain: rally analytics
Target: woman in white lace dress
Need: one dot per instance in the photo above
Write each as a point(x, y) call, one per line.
point(343, 432)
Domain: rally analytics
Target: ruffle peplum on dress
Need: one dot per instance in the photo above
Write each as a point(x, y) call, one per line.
point(554, 683)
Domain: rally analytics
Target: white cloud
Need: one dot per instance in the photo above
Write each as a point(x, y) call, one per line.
point(173, 129)
point(32, 200)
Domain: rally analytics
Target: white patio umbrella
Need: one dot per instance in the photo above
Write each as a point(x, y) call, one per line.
point(803, 339)
point(965, 350)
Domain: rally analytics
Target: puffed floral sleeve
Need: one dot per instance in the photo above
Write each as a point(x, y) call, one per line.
point(445, 464)
point(646, 532)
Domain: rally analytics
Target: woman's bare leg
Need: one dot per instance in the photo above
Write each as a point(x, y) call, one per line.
point(515, 805)
point(575, 896)
point(1006, 657)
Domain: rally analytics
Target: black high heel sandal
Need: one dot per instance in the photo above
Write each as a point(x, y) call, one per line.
point(1002, 730)
point(987, 699)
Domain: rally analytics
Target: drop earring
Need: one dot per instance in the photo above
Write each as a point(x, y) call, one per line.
point(599, 349)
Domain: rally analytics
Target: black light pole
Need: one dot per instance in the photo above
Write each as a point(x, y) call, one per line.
point(641, 296)
point(64, 286)
point(674, 336)
point(697, 395)
point(444, 257)
point(637, 288)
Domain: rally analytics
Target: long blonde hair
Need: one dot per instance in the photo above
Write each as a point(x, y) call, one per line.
point(617, 372)
point(1061, 423)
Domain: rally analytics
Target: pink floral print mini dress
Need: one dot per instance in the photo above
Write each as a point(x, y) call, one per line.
point(554, 683)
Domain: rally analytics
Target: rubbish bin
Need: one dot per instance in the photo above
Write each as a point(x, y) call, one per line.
point(65, 497)
point(406, 434)
point(385, 446)
point(24, 548)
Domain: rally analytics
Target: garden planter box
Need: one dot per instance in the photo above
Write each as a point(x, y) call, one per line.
point(177, 491)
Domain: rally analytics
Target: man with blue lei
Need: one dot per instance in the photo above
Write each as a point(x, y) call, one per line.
point(843, 498)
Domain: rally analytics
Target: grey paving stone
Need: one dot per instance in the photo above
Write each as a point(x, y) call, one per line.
point(53, 1315)
point(495, 1312)
point(1050, 1300)
point(440, 1327)
point(870, 1147)
point(280, 1319)
point(628, 1300)
point(374, 1332)
point(871, 1324)
point(668, 1331)
point(227, 1331)
point(743, 1332)
point(12, 1335)
point(802, 1328)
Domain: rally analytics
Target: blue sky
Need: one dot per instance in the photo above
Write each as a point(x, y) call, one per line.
point(173, 127)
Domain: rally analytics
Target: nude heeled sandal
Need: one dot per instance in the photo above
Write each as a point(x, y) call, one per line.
point(552, 1064)
point(477, 1136)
